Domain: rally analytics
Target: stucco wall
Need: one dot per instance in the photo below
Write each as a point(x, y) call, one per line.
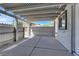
point(77, 28)
point(64, 36)
point(6, 34)
point(49, 31)
point(20, 33)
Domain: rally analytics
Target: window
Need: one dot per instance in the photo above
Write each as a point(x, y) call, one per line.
point(63, 21)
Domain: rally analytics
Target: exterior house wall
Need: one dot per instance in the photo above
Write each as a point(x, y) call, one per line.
point(64, 36)
point(77, 28)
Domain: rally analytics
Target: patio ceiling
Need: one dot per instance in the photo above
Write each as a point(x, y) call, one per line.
point(35, 10)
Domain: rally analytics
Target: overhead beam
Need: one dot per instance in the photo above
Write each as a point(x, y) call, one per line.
point(53, 17)
point(40, 19)
point(27, 5)
point(53, 14)
point(34, 8)
point(49, 15)
point(37, 12)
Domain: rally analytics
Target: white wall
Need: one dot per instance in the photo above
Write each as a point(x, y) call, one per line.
point(26, 25)
point(77, 28)
point(64, 36)
point(49, 31)
point(6, 34)
point(56, 27)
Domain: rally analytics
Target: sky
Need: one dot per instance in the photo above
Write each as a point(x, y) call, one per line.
point(9, 20)
point(6, 19)
point(41, 22)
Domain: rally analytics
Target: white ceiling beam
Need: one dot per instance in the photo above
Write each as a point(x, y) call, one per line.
point(34, 8)
point(35, 13)
point(40, 19)
point(53, 17)
point(48, 15)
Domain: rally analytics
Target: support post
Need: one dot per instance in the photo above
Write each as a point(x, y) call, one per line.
point(16, 30)
point(73, 29)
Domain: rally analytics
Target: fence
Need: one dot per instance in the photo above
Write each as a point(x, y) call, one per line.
point(8, 34)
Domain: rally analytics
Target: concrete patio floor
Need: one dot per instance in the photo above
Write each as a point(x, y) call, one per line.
point(36, 46)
